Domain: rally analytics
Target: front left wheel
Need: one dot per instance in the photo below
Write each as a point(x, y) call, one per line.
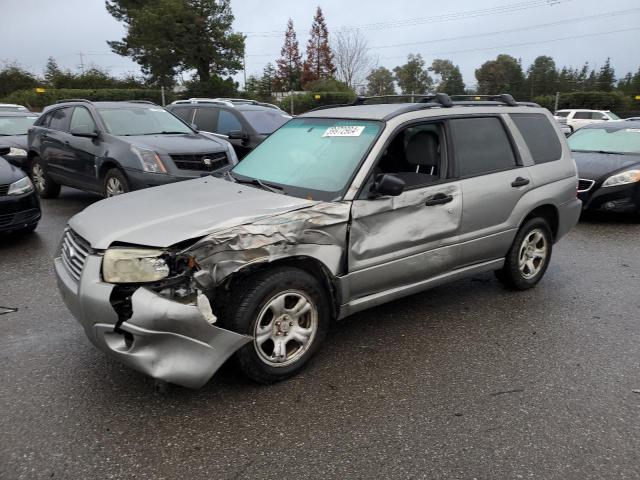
point(287, 313)
point(115, 183)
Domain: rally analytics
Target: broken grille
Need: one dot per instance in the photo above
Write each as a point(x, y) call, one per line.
point(202, 162)
point(74, 252)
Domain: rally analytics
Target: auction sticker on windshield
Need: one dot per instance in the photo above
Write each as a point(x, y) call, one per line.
point(344, 131)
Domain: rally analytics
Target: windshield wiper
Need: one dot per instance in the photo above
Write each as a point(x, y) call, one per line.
point(256, 182)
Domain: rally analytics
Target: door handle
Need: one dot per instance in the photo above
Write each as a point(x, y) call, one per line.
point(438, 199)
point(520, 182)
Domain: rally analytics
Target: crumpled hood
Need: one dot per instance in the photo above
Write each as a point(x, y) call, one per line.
point(593, 165)
point(166, 215)
point(186, 143)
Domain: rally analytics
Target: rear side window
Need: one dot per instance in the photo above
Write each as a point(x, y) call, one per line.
point(60, 119)
point(184, 113)
point(227, 122)
point(206, 119)
point(582, 115)
point(481, 146)
point(539, 135)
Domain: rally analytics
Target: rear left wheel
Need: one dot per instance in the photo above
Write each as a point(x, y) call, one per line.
point(528, 257)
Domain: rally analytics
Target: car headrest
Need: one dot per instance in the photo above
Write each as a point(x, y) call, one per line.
point(423, 149)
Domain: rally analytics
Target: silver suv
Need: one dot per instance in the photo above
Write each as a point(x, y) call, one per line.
point(339, 210)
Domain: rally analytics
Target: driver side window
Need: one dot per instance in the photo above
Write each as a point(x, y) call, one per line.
point(416, 154)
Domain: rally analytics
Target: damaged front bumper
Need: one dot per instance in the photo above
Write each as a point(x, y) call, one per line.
point(165, 339)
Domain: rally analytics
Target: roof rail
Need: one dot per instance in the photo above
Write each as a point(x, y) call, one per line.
point(216, 101)
point(67, 100)
point(141, 101)
point(502, 97)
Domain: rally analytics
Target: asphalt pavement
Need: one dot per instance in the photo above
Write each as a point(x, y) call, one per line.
point(465, 381)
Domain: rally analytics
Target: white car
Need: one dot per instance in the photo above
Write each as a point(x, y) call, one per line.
point(12, 107)
point(576, 118)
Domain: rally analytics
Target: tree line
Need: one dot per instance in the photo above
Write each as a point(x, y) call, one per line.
point(199, 41)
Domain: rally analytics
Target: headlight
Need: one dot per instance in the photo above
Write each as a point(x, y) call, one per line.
point(149, 160)
point(623, 178)
point(133, 265)
point(17, 152)
point(21, 186)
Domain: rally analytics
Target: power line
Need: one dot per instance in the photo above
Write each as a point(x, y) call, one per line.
point(446, 17)
point(512, 30)
point(522, 44)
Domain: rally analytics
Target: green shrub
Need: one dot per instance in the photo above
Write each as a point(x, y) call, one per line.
point(308, 101)
point(37, 101)
point(614, 101)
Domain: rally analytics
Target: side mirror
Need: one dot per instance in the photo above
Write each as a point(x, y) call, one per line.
point(237, 135)
point(4, 150)
point(387, 184)
point(84, 131)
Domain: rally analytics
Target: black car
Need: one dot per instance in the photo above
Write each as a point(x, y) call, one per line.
point(115, 147)
point(19, 204)
point(608, 159)
point(13, 133)
point(245, 123)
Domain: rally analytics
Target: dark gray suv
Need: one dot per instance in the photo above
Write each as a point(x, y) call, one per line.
point(245, 123)
point(115, 147)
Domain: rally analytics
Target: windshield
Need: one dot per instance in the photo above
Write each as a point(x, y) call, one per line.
point(141, 121)
point(311, 157)
point(16, 125)
point(622, 140)
point(266, 121)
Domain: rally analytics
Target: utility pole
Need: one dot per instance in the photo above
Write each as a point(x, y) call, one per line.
point(555, 108)
point(244, 68)
point(162, 94)
point(81, 62)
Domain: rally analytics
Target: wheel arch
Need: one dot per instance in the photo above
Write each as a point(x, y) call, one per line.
point(310, 265)
point(106, 165)
point(547, 211)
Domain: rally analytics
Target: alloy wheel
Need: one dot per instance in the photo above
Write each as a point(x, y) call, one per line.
point(37, 175)
point(533, 253)
point(114, 187)
point(286, 328)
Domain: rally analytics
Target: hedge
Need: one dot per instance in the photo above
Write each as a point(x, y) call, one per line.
point(37, 101)
point(308, 101)
point(614, 101)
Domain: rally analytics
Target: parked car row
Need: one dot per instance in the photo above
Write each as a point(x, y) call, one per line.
point(573, 119)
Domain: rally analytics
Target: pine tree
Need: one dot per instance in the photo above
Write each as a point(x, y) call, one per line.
point(319, 62)
point(265, 84)
point(290, 63)
point(606, 77)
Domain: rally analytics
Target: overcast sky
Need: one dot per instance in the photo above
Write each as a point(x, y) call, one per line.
point(571, 31)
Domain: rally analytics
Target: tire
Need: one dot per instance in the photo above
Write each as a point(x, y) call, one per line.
point(529, 256)
point(44, 185)
point(254, 309)
point(27, 230)
point(115, 183)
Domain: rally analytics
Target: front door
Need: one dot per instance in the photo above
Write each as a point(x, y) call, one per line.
point(81, 163)
point(397, 241)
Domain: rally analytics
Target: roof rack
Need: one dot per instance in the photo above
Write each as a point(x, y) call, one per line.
point(141, 101)
point(439, 100)
point(67, 100)
point(216, 101)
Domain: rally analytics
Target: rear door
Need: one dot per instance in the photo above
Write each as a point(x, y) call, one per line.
point(55, 143)
point(493, 179)
point(580, 119)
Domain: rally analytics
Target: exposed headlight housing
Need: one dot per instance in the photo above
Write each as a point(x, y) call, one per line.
point(134, 265)
point(149, 160)
point(630, 176)
point(17, 152)
point(21, 186)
